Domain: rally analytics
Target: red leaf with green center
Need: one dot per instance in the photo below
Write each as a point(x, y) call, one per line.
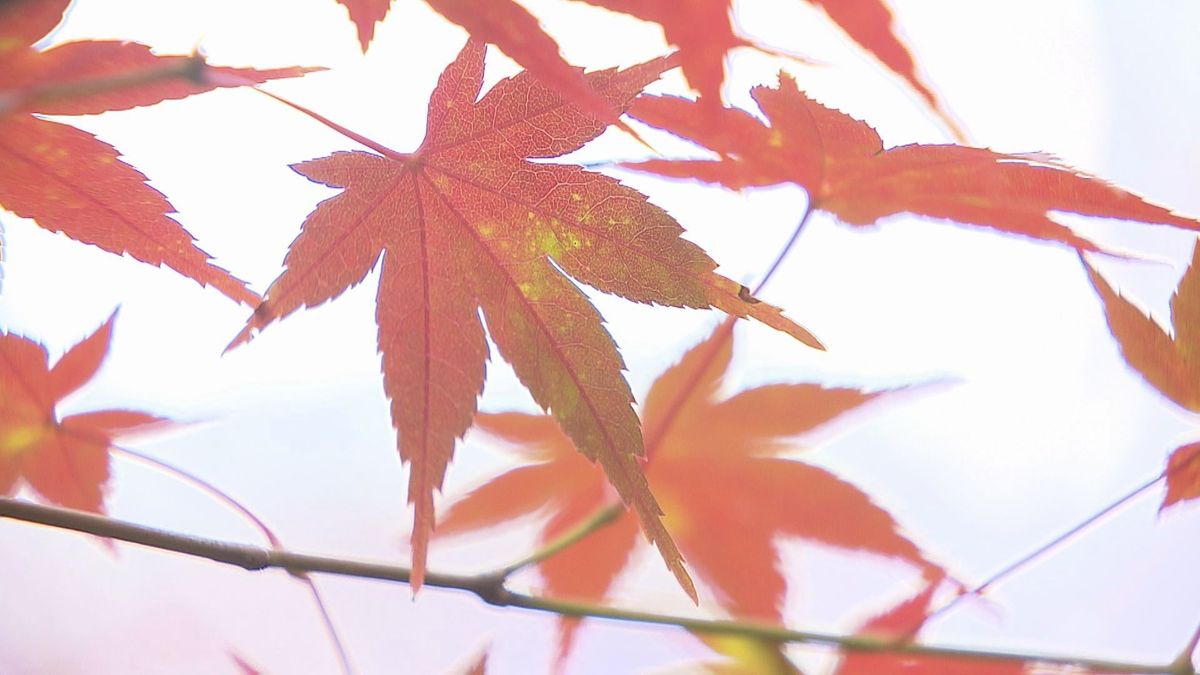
point(65, 461)
point(467, 222)
point(712, 463)
point(69, 181)
point(841, 163)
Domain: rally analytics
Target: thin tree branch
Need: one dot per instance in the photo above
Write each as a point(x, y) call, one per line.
point(787, 248)
point(191, 70)
point(596, 521)
point(225, 498)
point(1185, 664)
point(1042, 550)
point(491, 589)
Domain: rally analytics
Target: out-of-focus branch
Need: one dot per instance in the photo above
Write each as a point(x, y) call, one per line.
point(491, 589)
point(192, 70)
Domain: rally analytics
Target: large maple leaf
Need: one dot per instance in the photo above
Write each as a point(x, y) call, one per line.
point(714, 465)
point(63, 460)
point(1169, 363)
point(842, 164)
point(69, 181)
point(467, 222)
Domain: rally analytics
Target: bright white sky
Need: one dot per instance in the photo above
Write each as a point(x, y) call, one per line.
point(1043, 426)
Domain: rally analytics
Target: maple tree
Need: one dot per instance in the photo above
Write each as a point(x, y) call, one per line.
point(492, 233)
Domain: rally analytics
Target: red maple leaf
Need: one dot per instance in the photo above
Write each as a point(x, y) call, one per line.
point(63, 460)
point(1170, 364)
point(901, 623)
point(840, 161)
point(467, 222)
point(704, 34)
point(65, 178)
point(713, 465)
point(700, 28)
point(516, 32)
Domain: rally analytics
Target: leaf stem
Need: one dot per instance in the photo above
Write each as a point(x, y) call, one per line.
point(1042, 550)
point(226, 499)
point(1184, 664)
point(654, 435)
point(491, 589)
point(599, 519)
point(787, 247)
point(352, 135)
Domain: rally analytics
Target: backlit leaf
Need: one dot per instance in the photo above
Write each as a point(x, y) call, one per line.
point(69, 181)
point(841, 163)
point(712, 463)
point(1170, 364)
point(64, 461)
point(466, 223)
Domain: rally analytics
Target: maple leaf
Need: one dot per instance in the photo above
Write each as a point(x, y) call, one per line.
point(467, 222)
point(364, 14)
point(700, 28)
point(516, 32)
point(713, 465)
point(69, 181)
point(704, 34)
point(869, 23)
point(840, 161)
point(744, 655)
point(901, 623)
point(65, 461)
point(1170, 364)
point(1183, 475)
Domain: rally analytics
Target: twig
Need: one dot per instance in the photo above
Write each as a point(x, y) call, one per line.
point(1042, 550)
point(191, 69)
point(491, 589)
point(1184, 664)
point(226, 499)
point(597, 520)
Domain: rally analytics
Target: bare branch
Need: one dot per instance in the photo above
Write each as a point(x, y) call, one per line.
point(491, 589)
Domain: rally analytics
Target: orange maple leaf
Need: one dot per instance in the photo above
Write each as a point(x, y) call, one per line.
point(65, 461)
point(901, 623)
point(704, 34)
point(65, 178)
point(1170, 364)
point(466, 222)
point(713, 465)
point(701, 29)
point(516, 32)
point(840, 161)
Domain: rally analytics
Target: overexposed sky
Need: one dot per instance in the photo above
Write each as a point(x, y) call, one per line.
point(1042, 425)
